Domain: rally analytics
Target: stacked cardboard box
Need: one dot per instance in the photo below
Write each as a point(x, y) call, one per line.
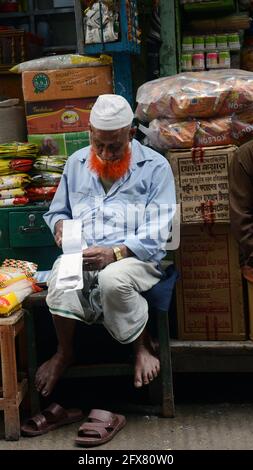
point(209, 292)
point(58, 104)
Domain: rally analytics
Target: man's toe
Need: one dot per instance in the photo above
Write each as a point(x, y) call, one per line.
point(137, 382)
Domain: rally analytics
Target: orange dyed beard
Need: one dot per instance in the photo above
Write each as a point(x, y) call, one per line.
point(109, 169)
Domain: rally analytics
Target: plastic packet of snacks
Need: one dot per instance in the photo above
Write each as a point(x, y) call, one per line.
point(27, 267)
point(16, 283)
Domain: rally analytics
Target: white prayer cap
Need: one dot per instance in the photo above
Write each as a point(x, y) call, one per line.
point(111, 112)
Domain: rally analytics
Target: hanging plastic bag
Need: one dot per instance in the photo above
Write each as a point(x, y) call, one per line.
point(100, 24)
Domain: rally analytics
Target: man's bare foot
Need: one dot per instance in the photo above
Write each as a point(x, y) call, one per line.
point(147, 365)
point(49, 373)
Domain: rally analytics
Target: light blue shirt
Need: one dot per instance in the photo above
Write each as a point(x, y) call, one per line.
point(137, 210)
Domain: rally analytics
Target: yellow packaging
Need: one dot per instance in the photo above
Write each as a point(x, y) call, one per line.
point(8, 303)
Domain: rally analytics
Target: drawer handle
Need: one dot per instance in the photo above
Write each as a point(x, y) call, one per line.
point(42, 228)
point(1, 233)
point(32, 227)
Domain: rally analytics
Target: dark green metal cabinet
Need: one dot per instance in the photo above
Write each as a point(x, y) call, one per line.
point(25, 235)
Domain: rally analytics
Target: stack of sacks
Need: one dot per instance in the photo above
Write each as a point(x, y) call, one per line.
point(193, 118)
point(58, 100)
point(16, 159)
point(199, 109)
point(45, 178)
point(16, 283)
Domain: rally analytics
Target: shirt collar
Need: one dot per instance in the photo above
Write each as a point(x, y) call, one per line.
point(140, 153)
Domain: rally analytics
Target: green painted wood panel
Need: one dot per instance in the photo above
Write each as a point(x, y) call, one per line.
point(168, 50)
point(4, 230)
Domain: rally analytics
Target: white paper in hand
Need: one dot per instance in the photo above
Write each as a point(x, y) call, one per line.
point(70, 273)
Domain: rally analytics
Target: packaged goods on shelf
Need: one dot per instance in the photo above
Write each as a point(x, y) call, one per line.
point(18, 150)
point(45, 178)
point(205, 61)
point(63, 84)
point(195, 94)
point(59, 144)
point(15, 201)
point(54, 163)
point(209, 291)
point(12, 192)
point(41, 194)
point(210, 42)
point(198, 61)
point(202, 183)
point(8, 166)
point(14, 181)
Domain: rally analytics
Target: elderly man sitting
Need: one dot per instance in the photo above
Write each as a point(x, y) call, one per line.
point(123, 193)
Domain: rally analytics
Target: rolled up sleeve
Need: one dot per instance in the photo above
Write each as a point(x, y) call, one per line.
point(152, 234)
point(60, 207)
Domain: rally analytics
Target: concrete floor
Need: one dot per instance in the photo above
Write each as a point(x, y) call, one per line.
point(213, 411)
point(196, 427)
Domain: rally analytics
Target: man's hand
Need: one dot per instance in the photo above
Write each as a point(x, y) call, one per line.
point(58, 233)
point(96, 258)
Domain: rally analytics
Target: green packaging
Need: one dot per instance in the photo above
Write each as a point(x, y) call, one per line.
point(186, 62)
point(234, 41)
point(60, 144)
point(187, 43)
point(224, 60)
point(198, 43)
point(222, 41)
point(210, 42)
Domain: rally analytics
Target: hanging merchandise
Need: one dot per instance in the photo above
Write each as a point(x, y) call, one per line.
point(100, 23)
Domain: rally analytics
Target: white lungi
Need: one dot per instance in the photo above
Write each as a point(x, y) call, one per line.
point(110, 296)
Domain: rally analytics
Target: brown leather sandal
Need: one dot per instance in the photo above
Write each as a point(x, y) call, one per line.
point(100, 427)
point(49, 419)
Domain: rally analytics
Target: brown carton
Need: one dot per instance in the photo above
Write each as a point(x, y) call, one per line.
point(51, 117)
point(80, 82)
point(209, 292)
point(202, 185)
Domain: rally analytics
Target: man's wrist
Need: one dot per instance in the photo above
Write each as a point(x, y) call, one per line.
point(121, 251)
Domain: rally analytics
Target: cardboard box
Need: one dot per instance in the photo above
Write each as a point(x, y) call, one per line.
point(61, 84)
point(60, 144)
point(51, 117)
point(209, 292)
point(202, 183)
